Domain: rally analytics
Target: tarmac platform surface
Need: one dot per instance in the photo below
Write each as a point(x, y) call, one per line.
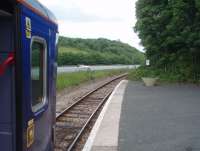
point(160, 118)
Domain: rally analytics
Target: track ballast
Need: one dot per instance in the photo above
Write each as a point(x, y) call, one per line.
point(72, 122)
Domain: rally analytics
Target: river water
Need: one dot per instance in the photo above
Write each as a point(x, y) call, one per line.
point(64, 69)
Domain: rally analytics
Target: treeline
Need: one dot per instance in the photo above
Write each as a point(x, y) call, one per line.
point(74, 51)
point(170, 32)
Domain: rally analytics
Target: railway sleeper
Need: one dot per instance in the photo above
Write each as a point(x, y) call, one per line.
point(84, 112)
point(78, 117)
point(69, 125)
point(73, 122)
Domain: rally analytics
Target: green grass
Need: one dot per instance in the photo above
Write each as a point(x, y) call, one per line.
point(66, 80)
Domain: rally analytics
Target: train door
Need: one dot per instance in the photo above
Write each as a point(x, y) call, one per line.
point(35, 68)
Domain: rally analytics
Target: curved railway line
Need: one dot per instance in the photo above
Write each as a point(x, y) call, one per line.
point(72, 122)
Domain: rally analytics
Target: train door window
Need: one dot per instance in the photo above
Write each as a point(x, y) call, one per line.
point(38, 72)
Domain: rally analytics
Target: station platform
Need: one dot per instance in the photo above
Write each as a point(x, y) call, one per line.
point(139, 118)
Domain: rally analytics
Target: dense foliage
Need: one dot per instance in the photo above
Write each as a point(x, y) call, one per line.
point(74, 51)
point(170, 32)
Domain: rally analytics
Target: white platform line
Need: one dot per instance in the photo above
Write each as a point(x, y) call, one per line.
point(91, 138)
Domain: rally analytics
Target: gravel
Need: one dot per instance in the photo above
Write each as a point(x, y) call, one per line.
point(70, 95)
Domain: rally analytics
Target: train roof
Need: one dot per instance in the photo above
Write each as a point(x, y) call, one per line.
point(38, 8)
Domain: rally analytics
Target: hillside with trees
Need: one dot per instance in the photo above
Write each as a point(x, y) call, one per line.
point(170, 32)
point(74, 51)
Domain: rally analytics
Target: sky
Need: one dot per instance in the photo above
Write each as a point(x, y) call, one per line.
point(111, 19)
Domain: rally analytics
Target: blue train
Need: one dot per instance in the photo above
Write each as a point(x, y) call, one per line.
point(28, 51)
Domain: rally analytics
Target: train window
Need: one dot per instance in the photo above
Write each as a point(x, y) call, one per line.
point(38, 72)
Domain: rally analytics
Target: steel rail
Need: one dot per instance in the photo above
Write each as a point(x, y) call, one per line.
point(93, 113)
point(88, 94)
point(87, 123)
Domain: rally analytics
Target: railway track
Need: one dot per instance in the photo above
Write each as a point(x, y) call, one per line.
point(72, 122)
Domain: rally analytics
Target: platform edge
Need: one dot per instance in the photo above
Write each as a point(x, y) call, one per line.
point(89, 143)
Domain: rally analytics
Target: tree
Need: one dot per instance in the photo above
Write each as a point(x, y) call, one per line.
point(96, 51)
point(169, 31)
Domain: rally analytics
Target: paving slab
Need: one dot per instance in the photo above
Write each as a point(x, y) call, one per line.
point(161, 118)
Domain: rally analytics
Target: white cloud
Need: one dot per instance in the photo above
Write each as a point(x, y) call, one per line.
point(96, 18)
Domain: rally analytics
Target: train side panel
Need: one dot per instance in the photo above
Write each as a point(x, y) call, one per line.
point(27, 76)
point(7, 100)
point(43, 118)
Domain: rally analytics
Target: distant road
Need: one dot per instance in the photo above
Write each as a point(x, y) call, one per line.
point(93, 68)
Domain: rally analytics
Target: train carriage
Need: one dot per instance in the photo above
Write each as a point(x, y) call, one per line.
point(28, 41)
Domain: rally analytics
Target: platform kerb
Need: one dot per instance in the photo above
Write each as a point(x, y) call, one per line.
point(104, 135)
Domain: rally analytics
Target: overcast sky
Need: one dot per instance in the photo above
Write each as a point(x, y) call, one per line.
point(111, 19)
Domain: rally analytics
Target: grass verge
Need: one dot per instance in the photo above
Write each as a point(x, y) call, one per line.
point(66, 80)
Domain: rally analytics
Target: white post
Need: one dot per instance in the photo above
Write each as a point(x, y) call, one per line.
point(147, 62)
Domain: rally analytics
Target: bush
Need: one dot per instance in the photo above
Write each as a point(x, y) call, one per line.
point(179, 75)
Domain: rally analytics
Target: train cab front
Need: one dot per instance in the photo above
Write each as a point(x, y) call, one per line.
point(28, 50)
